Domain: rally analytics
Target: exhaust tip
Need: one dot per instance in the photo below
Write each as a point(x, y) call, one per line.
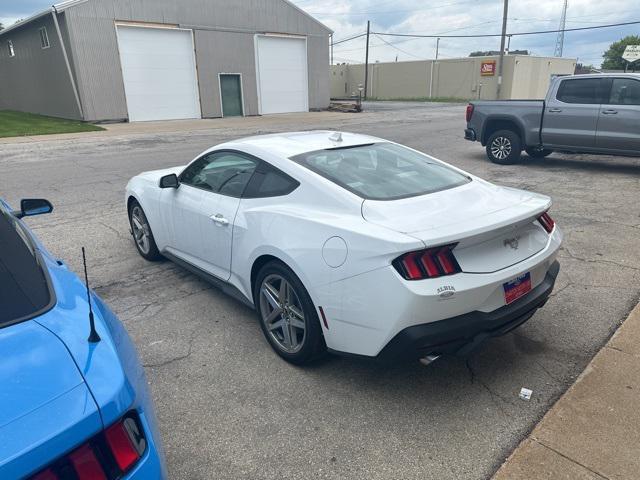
point(429, 359)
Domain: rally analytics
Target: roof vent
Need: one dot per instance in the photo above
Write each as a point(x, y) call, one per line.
point(336, 137)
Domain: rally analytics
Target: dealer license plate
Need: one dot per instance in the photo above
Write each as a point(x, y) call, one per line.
point(517, 288)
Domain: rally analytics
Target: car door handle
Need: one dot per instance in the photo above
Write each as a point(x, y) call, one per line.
point(609, 112)
point(555, 110)
point(218, 219)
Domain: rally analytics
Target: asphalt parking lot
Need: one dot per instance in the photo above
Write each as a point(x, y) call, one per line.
point(230, 408)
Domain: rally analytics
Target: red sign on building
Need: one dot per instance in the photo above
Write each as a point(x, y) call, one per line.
point(488, 68)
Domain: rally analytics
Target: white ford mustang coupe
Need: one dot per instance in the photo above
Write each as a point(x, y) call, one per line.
point(352, 244)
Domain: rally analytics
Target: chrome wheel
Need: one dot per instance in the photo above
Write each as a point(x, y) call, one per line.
point(141, 230)
point(282, 313)
point(501, 148)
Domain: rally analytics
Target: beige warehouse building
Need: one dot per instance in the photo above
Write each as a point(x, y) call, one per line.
point(524, 77)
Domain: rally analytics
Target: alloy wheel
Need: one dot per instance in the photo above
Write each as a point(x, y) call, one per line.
point(141, 230)
point(282, 313)
point(501, 148)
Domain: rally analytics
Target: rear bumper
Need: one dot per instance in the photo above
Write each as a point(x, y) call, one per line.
point(470, 134)
point(463, 334)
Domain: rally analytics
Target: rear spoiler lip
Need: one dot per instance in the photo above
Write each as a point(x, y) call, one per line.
point(457, 235)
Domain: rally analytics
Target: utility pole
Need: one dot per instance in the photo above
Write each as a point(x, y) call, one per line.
point(502, 42)
point(366, 62)
point(432, 65)
point(331, 40)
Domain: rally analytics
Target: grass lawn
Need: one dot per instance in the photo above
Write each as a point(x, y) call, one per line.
point(18, 124)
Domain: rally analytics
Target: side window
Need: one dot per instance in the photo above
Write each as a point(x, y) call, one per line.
point(586, 91)
point(268, 181)
point(226, 173)
point(625, 91)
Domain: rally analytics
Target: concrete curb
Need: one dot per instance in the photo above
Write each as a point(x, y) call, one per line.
point(593, 430)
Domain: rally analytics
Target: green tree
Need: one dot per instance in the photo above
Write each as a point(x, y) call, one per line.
point(1, 26)
point(613, 57)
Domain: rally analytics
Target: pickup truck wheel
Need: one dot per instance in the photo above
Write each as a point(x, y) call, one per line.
point(537, 152)
point(504, 147)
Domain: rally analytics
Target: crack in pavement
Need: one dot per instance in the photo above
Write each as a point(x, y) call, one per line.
point(589, 260)
point(179, 357)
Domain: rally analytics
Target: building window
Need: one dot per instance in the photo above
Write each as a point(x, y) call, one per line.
point(12, 52)
point(44, 38)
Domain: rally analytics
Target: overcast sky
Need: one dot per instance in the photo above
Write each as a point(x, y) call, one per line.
point(349, 18)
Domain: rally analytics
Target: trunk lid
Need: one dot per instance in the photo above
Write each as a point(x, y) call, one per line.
point(43, 396)
point(493, 227)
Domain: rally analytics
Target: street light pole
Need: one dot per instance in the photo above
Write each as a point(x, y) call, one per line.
point(502, 45)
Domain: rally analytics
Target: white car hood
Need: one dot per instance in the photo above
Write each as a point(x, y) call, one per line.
point(154, 175)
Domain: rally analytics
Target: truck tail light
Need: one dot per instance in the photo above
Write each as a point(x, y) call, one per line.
point(469, 112)
point(107, 456)
point(547, 222)
point(429, 263)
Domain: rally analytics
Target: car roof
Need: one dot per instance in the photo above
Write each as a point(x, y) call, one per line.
point(290, 144)
point(604, 75)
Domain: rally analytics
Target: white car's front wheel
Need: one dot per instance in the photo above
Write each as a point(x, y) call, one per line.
point(287, 315)
point(142, 234)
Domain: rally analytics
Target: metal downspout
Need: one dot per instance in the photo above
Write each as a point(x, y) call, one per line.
point(54, 14)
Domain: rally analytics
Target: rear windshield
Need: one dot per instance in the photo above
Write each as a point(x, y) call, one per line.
point(24, 287)
point(382, 171)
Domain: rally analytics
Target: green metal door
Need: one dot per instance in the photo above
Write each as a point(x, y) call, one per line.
point(231, 95)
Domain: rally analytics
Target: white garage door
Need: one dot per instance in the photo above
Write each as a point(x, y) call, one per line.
point(159, 72)
point(282, 74)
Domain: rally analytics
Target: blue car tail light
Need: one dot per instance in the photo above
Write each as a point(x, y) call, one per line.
point(107, 456)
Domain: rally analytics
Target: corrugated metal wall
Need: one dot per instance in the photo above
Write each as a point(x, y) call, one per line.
point(224, 43)
point(36, 80)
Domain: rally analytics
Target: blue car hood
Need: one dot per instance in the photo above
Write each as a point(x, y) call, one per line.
point(43, 396)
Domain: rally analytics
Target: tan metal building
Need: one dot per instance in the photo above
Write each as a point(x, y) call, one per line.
point(524, 77)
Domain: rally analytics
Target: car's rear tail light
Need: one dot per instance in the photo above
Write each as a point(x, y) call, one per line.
point(547, 222)
point(429, 263)
point(86, 464)
point(45, 475)
point(469, 112)
point(107, 456)
point(120, 444)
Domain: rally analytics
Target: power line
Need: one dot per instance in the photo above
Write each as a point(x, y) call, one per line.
point(349, 39)
point(399, 49)
point(539, 32)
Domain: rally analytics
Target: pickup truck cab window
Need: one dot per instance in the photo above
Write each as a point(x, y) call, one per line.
point(587, 91)
point(625, 91)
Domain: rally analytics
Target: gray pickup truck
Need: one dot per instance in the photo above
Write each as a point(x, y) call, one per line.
point(581, 114)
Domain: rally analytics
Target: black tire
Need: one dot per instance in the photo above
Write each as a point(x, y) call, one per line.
point(504, 147)
point(311, 344)
point(537, 152)
point(151, 252)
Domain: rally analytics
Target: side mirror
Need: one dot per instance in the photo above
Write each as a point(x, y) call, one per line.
point(169, 181)
point(34, 206)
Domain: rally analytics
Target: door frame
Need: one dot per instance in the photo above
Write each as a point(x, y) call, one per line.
point(220, 92)
point(157, 26)
point(256, 38)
